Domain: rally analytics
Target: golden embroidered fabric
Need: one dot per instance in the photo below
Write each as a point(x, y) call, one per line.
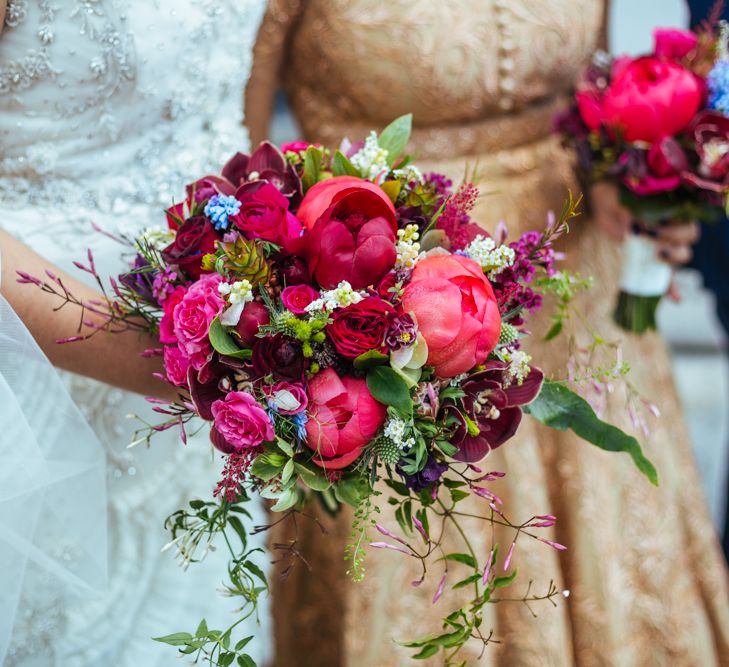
point(647, 582)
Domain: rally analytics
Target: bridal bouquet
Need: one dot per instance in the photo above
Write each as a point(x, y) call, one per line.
point(657, 126)
point(344, 330)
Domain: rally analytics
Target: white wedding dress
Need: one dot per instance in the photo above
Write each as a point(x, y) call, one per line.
point(107, 109)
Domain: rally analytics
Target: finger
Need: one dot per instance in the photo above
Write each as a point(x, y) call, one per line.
point(679, 234)
point(674, 292)
point(675, 254)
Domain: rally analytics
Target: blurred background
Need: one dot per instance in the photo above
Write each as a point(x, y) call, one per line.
point(699, 349)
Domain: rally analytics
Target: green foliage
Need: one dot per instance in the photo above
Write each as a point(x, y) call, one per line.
point(560, 408)
point(564, 286)
point(341, 166)
point(223, 342)
point(390, 389)
point(395, 137)
point(354, 551)
point(313, 167)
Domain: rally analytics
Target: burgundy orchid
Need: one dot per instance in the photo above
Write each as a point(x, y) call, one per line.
point(493, 402)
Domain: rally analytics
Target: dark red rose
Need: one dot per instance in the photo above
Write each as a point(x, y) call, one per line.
point(254, 315)
point(266, 163)
point(710, 131)
point(353, 239)
point(194, 239)
point(264, 214)
point(656, 170)
point(360, 327)
point(386, 288)
point(280, 356)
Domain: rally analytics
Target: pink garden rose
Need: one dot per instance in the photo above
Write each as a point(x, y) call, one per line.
point(343, 418)
point(455, 310)
point(297, 297)
point(241, 421)
point(286, 398)
point(673, 43)
point(176, 366)
point(193, 315)
point(297, 146)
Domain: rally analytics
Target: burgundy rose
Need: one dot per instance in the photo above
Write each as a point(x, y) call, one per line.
point(280, 356)
point(492, 402)
point(297, 297)
point(253, 317)
point(266, 163)
point(195, 238)
point(710, 131)
point(360, 327)
point(264, 214)
point(353, 237)
point(293, 269)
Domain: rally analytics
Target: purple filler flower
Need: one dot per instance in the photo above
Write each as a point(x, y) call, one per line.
point(429, 475)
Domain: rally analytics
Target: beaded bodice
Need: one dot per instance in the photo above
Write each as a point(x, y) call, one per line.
point(105, 104)
point(474, 73)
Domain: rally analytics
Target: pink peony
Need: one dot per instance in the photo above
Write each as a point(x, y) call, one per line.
point(193, 315)
point(241, 421)
point(456, 312)
point(297, 297)
point(176, 366)
point(343, 418)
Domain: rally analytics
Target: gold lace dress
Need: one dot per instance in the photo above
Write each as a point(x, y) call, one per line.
point(483, 79)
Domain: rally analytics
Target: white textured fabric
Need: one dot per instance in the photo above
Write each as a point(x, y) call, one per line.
point(107, 109)
point(642, 273)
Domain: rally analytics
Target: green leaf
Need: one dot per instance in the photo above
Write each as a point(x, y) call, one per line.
point(560, 408)
point(467, 581)
point(226, 659)
point(246, 661)
point(223, 342)
point(288, 471)
point(237, 526)
point(202, 629)
point(501, 582)
point(243, 643)
point(341, 166)
point(370, 358)
point(350, 490)
point(267, 466)
point(310, 478)
point(395, 137)
point(286, 500)
point(285, 447)
point(427, 652)
point(391, 189)
point(312, 166)
point(390, 389)
point(256, 572)
point(554, 331)
point(457, 495)
point(176, 639)
point(466, 559)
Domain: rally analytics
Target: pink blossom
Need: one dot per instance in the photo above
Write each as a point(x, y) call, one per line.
point(176, 366)
point(286, 398)
point(297, 297)
point(241, 421)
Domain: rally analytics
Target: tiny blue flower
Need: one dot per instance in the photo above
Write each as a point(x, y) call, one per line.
point(718, 84)
point(219, 208)
point(300, 420)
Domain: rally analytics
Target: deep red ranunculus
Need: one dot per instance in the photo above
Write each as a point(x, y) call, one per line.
point(360, 327)
point(648, 99)
point(280, 356)
point(264, 214)
point(195, 238)
point(254, 315)
point(352, 232)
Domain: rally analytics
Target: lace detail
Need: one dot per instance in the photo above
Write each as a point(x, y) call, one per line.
point(647, 580)
point(15, 13)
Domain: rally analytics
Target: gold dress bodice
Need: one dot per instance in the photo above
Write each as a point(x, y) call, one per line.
point(483, 79)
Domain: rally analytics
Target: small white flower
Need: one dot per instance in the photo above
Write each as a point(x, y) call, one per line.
point(518, 361)
point(239, 294)
point(409, 174)
point(341, 296)
point(492, 258)
point(396, 431)
point(156, 237)
point(371, 159)
point(408, 248)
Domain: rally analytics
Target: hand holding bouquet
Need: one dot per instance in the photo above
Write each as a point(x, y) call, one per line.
point(655, 125)
point(344, 329)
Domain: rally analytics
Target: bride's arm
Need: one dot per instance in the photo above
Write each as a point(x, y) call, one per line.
point(269, 56)
point(111, 358)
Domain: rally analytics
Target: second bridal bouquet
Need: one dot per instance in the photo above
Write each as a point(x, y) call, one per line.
point(343, 329)
point(657, 126)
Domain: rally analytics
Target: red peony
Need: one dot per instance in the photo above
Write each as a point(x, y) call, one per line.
point(648, 99)
point(673, 43)
point(264, 214)
point(352, 232)
point(195, 238)
point(343, 418)
point(360, 327)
